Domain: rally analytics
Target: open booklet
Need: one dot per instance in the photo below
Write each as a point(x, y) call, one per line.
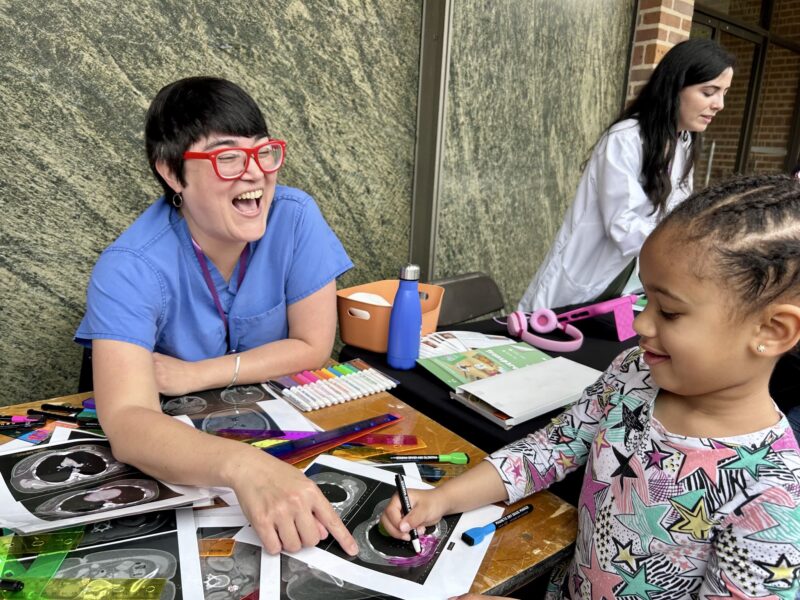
point(522, 394)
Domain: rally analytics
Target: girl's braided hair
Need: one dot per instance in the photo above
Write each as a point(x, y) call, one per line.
point(750, 227)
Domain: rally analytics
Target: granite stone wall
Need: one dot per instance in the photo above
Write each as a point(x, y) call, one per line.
point(532, 85)
point(337, 79)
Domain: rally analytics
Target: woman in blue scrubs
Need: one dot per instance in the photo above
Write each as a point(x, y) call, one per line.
point(229, 278)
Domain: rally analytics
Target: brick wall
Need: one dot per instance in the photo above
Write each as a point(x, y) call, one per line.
point(660, 24)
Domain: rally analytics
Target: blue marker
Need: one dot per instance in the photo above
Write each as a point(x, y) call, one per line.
point(475, 535)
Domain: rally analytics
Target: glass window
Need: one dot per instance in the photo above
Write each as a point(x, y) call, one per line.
point(770, 141)
point(701, 30)
point(786, 19)
point(748, 11)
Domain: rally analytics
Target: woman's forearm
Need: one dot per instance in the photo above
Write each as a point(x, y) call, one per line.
point(167, 449)
point(262, 363)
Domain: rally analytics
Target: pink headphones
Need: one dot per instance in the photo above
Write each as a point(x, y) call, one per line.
point(545, 320)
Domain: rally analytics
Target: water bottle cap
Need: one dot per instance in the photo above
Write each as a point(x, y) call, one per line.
point(410, 273)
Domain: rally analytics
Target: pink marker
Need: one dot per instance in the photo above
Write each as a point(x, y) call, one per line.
point(298, 377)
point(310, 376)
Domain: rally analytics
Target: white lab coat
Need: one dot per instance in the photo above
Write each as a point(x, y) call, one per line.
point(607, 223)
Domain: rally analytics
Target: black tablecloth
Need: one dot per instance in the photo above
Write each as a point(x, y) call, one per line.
point(422, 390)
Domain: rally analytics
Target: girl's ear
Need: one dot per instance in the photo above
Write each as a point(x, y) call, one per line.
point(168, 176)
point(780, 331)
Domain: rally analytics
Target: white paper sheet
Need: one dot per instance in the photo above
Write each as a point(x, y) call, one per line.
point(75, 482)
point(449, 572)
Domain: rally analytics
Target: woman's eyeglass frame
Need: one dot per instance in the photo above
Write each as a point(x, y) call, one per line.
point(251, 153)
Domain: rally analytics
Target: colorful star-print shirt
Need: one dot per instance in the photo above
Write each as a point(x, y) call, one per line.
point(663, 516)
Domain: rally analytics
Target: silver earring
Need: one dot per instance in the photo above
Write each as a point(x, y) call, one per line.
point(761, 348)
point(177, 200)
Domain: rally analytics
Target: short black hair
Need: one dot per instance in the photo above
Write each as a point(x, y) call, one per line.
point(748, 229)
point(193, 108)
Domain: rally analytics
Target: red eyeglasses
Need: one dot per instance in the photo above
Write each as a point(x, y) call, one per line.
point(232, 163)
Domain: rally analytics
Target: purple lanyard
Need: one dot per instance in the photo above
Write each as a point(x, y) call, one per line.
point(201, 258)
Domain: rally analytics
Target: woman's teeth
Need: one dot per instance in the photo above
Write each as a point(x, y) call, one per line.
point(254, 195)
point(248, 202)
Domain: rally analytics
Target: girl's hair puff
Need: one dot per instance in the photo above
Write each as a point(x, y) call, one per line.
point(748, 229)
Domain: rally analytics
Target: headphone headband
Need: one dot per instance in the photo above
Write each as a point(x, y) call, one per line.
point(543, 321)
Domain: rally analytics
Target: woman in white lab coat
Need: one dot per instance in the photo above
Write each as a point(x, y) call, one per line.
point(640, 168)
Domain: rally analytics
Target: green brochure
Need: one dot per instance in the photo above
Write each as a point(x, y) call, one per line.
point(462, 367)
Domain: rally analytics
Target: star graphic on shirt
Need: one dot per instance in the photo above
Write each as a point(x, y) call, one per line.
point(567, 461)
point(638, 381)
point(693, 521)
point(577, 580)
point(624, 470)
point(750, 460)
point(656, 456)
point(786, 528)
point(601, 582)
point(736, 592)
point(646, 521)
point(608, 408)
point(704, 459)
point(600, 442)
point(779, 593)
point(782, 571)
point(589, 490)
point(516, 469)
point(631, 420)
point(540, 481)
point(636, 584)
point(625, 554)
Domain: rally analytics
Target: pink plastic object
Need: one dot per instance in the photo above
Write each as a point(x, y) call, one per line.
point(621, 307)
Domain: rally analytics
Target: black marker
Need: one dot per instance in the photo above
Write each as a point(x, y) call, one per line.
point(11, 585)
point(53, 416)
point(405, 506)
point(476, 534)
point(59, 408)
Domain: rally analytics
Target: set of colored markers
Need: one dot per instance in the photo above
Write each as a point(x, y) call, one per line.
point(334, 384)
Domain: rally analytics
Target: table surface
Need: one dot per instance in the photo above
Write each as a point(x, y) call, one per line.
point(518, 553)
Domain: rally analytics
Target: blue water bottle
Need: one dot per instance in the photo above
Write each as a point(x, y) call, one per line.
point(405, 321)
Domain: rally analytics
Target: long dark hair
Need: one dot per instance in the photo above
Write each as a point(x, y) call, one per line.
point(657, 108)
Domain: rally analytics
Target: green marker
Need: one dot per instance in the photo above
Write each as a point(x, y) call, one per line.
point(456, 458)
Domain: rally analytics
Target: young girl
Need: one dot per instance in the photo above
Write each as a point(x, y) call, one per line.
point(692, 485)
point(640, 169)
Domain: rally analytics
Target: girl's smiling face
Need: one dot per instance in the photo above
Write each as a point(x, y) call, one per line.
point(694, 344)
point(220, 212)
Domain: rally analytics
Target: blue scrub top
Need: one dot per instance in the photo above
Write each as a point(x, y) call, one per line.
point(147, 288)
